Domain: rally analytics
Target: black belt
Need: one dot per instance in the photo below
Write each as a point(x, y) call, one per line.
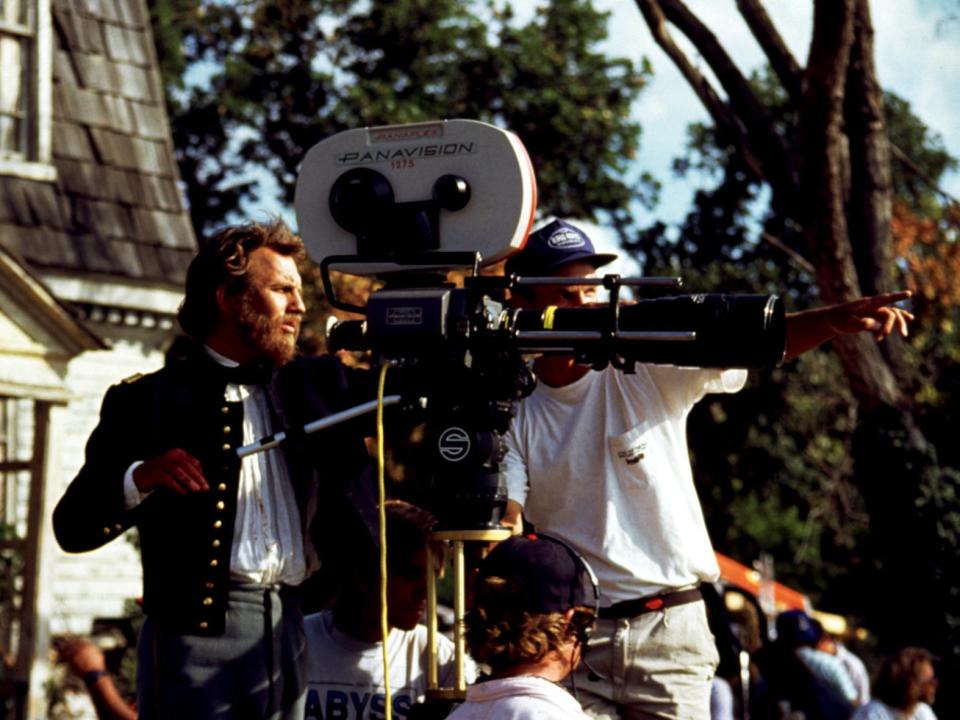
point(650, 603)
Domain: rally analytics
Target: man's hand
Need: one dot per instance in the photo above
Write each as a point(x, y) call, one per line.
point(876, 314)
point(175, 469)
point(873, 314)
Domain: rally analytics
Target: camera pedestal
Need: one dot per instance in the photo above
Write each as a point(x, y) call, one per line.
point(456, 538)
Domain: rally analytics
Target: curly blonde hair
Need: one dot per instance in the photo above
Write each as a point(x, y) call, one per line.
point(501, 634)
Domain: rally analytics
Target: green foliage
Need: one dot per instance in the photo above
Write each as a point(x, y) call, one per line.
point(925, 149)
point(255, 85)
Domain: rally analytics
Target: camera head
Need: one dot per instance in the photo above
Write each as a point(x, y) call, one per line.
point(402, 198)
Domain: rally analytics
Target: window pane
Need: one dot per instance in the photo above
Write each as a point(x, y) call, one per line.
point(12, 84)
point(13, 11)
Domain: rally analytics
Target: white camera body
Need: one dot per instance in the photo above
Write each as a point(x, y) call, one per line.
point(401, 169)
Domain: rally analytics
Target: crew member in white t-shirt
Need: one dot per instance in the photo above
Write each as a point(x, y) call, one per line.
point(344, 667)
point(600, 460)
point(534, 605)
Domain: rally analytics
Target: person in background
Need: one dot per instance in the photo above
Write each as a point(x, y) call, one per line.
point(855, 667)
point(87, 662)
point(344, 666)
point(905, 688)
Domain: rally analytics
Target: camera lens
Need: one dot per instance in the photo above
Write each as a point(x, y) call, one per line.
point(359, 198)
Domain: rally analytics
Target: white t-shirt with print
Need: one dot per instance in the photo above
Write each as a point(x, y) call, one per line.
point(603, 464)
point(345, 676)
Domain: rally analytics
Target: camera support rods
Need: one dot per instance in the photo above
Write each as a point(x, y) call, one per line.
point(271, 441)
point(613, 283)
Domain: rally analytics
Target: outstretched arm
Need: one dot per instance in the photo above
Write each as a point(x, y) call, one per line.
point(877, 314)
point(86, 661)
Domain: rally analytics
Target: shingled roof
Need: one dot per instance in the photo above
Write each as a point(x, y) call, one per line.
point(114, 209)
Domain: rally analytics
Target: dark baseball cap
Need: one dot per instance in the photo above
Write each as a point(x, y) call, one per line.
point(547, 576)
point(552, 246)
point(795, 628)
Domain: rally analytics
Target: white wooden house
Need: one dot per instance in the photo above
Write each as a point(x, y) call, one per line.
point(94, 244)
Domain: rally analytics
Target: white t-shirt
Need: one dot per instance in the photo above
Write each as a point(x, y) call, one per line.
point(603, 463)
point(524, 697)
point(876, 710)
point(345, 675)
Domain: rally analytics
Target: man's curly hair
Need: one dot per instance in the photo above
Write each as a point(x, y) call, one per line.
point(501, 634)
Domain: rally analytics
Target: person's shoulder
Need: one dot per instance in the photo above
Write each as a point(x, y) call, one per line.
point(315, 626)
point(873, 710)
point(140, 383)
point(924, 712)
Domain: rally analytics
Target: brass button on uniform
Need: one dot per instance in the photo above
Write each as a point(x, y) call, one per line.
point(226, 446)
point(226, 429)
point(118, 527)
point(221, 504)
point(209, 585)
point(214, 563)
point(225, 410)
point(216, 543)
point(106, 531)
point(218, 524)
point(221, 487)
point(208, 601)
point(204, 625)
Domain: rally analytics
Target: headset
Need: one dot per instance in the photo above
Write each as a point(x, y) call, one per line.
point(582, 622)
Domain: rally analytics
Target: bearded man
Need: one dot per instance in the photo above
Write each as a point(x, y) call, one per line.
point(225, 542)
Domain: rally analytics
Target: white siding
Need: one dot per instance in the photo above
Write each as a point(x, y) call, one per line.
point(96, 584)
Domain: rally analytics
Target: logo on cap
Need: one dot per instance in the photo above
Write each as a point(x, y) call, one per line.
point(565, 238)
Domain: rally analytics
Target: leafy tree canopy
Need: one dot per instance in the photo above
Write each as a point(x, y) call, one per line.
point(256, 84)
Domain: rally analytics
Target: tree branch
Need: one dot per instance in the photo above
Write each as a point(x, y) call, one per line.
point(727, 122)
point(796, 258)
point(762, 138)
point(910, 165)
point(771, 42)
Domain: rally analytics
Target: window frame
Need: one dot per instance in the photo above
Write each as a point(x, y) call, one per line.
point(36, 160)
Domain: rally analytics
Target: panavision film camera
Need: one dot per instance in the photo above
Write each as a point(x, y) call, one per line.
point(408, 204)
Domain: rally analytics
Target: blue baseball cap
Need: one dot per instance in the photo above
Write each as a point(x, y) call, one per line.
point(796, 629)
point(544, 575)
point(551, 247)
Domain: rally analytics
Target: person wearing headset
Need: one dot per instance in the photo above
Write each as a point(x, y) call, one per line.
point(534, 604)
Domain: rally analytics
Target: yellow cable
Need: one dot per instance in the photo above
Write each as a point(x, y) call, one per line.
point(382, 495)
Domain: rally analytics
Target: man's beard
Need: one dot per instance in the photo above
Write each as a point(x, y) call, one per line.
point(265, 336)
